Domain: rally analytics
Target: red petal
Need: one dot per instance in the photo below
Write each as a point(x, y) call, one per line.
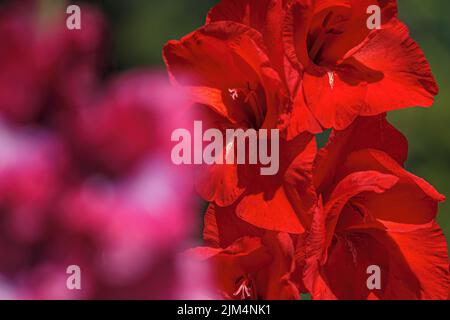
point(316, 242)
point(278, 284)
point(274, 213)
point(301, 118)
point(353, 30)
point(295, 33)
point(355, 184)
point(407, 79)
point(243, 258)
point(267, 202)
point(210, 228)
point(223, 56)
point(417, 263)
point(222, 227)
point(351, 255)
point(334, 103)
point(310, 254)
point(414, 265)
point(412, 200)
point(365, 132)
point(266, 16)
point(219, 183)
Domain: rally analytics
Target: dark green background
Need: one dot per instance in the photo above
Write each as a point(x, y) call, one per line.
point(141, 27)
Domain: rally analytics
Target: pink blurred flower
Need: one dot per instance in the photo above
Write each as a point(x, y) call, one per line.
point(130, 120)
point(124, 233)
point(32, 164)
point(43, 65)
point(124, 250)
point(86, 176)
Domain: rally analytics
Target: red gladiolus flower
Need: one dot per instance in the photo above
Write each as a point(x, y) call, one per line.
point(335, 67)
point(268, 18)
point(374, 212)
point(248, 263)
point(227, 71)
point(348, 70)
point(225, 67)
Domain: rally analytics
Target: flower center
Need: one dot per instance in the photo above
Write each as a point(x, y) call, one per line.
point(244, 290)
point(329, 26)
point(233, 93)
point(248, 100)
point(331, 79)
point(352, 249)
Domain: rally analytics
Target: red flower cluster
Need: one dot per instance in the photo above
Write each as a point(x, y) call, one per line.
point(85, 178)
point(329, 215)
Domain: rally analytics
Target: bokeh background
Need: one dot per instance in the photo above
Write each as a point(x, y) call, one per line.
point(141, 27)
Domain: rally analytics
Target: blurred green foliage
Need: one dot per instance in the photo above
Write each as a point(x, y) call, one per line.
point(141, 27)
point(426, 129)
